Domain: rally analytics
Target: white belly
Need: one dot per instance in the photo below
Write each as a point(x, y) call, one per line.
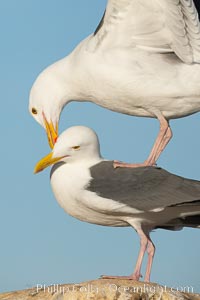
point(130, 82)
point(68, 186)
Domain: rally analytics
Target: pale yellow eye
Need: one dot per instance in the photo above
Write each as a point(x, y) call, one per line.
point(34, 111)
point(76, 147)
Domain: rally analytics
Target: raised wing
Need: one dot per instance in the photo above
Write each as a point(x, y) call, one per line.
point(154, 25)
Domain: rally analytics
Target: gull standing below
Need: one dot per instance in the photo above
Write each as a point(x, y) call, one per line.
point(142, 60)
point(88, 188)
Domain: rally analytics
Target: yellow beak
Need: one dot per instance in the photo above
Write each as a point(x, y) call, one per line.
point(45, 162)
point(52, 133)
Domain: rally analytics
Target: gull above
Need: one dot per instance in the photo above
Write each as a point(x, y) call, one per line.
point(88, 188)
point(142, 60)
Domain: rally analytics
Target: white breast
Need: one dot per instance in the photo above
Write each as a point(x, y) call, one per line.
point(69, 182)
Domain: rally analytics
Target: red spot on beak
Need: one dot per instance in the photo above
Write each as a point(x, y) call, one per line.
point(55, 139)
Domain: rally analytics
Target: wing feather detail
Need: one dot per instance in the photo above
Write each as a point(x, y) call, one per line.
point(154, 25)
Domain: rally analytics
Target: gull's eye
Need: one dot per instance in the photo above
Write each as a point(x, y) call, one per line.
point(34, 111)
point(76, 147)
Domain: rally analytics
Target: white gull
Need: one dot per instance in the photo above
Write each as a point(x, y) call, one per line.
point(88, 188)
point(142, 60)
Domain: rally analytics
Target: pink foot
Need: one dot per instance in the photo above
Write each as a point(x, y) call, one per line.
point(131, 277)
point(119, 164)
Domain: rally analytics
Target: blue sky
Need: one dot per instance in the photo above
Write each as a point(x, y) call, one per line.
point(40, 244)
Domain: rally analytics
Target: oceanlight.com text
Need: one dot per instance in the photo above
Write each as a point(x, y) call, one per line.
point(96, 289)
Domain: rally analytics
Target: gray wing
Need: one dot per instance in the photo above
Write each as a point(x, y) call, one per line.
point(155, 25)
point(145, 189)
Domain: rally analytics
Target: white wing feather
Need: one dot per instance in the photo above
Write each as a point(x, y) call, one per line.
point(155, 25)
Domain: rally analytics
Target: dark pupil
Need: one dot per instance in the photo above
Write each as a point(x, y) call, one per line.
point(34, 111)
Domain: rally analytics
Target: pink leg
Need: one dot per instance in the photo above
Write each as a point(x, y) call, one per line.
point(151, 252)
point(167, 137)
point(143, 247)
point(164, 125)
point(119, 164)
point(161, 142)
point(136, 274)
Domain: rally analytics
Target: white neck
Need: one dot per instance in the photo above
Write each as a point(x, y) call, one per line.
point(68, 72)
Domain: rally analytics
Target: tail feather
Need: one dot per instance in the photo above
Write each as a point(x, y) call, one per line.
point(179, 223)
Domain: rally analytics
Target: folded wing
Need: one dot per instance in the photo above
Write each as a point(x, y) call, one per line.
point(145, 189)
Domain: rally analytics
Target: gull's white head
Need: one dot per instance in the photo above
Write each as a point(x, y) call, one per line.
point(76, 144)
point(48, 96)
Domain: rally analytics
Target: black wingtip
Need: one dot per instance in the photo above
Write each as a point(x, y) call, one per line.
point(100, 24)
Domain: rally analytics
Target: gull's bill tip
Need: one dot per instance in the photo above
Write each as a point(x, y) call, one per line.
point(45, 162)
